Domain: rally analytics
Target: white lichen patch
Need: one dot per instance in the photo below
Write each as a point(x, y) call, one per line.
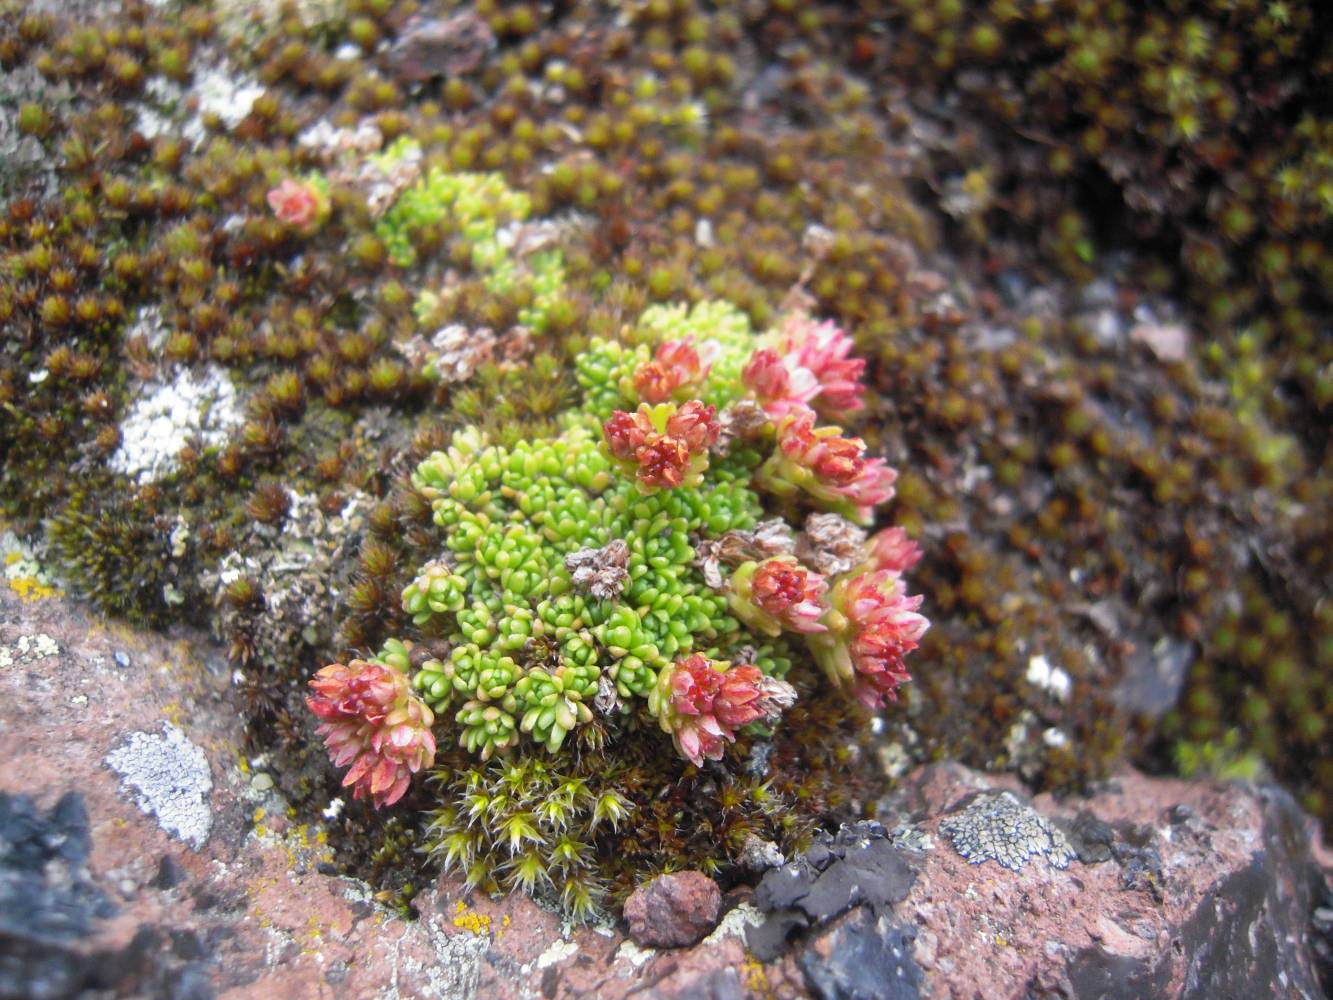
point(454, 970)
point(1053, 680)
point(558, 952)
point(633, 954)
point(28, 649)
point(156, 113)
point(735, 923)
point(251, 20)
point(168, 778)
point(195, 407)
point(995, 826)
point(226, 95)
point(148, 325)
point(214, 91)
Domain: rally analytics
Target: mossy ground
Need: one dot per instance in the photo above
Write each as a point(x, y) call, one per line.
point(1086, 491)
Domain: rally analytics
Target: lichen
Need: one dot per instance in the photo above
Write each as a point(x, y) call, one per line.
point(191, 409)
point(168, 777)
point(995, 826)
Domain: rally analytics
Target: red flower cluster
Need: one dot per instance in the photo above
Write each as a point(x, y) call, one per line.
point(702, 707)
point(296, 203)
point(839, 464)
point(887, 628)
point(668, 444)
point(873, 622)
point(373, 722)
point(787, 591)
point(675, 364)
point(891, 549)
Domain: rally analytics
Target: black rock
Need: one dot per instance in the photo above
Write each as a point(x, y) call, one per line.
point(857, 865)
point(1090, 838)
point(50, 908)
point(864, 958)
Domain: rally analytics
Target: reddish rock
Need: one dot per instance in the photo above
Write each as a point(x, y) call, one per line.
point(429, 47)
point(674, 910)
point(1208, 890)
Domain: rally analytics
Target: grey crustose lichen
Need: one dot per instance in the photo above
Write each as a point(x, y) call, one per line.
point(168, 777)
point(995, 826)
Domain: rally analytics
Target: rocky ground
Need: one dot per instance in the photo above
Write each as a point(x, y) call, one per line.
point(143, 854)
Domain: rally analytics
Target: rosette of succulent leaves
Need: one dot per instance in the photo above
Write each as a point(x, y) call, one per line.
point(697, 528)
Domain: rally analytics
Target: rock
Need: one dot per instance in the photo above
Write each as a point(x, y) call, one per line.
point(758, 855)
point(674, 910)
point(1212, 899)
point(430, 47)
point(864, 958)
point(859, 864)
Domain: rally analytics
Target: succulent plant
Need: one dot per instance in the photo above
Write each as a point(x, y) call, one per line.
point(581, 585)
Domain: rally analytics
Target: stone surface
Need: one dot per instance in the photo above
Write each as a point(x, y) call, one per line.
point(863, 958)
point(673, 910)
point(859, 865)
point(1208, 890)
point(429, 47)
point(1173, 888)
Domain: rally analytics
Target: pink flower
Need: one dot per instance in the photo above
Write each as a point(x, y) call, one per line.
point(874, 625)
point(891, 549)
point(626, 433)
point(297, 203)
point(822, 349)
point(778, 382)
point(790, 593)
point(693, 423)
point(667, 445)
point(888, 630)
point(831, 468)
point(663, 462)
point(806, 363)
point(372, 721)
point(675, 364)
point(702, 706)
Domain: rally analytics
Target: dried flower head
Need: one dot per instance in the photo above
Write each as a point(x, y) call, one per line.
point(600, 572)
point(830, 543)
point(744, 420)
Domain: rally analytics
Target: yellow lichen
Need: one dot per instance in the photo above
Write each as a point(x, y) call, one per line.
point(30, 589)
point(756, 979)
point(470, 920)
